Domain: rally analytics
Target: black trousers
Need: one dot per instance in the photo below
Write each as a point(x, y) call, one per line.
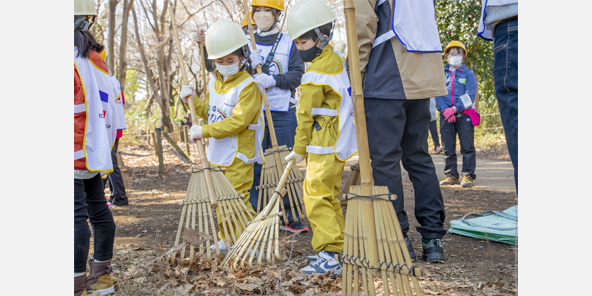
point(398, 132)
point(90, 205)
point(434, 133)
point(118, 195)
point(463, 127)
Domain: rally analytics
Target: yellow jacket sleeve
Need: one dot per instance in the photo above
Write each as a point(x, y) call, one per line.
point(201, 107)
point(246, 109)
point(312, 96)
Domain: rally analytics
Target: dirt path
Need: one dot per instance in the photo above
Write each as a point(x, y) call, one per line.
point(147, 227)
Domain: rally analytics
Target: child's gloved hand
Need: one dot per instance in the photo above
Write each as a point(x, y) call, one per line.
point(195, 133)
point(256, 57)
point(267, 80)
point(185, 92)
point(449, 114)
point(293, 155)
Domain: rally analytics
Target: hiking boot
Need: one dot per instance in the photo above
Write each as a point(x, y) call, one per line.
point(222, 246)
point(410, 248)
point(80, 285)
point(438, 150)
point(111, 205)
point(325, 263)
point(433, 250)
point(449, 180)
point(467, 181)
point(294, 227)
point(99, 279)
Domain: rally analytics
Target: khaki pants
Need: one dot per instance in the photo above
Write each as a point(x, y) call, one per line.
point(321, 188)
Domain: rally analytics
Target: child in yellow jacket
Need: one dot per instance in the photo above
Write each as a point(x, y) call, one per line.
point(325, 135)
point(233, 111)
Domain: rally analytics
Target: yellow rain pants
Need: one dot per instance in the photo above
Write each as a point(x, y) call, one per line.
point(321, 189)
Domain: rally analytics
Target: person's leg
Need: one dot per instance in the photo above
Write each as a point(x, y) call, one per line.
point(385, 121)
point(319, 200)
point(448, 134)
point(100, 218)
point(466, 136)
point(257, 168)
point(429, 204)
point(434, 133)
point(118, 195)
point(505, 77)
point(240, 175)
point(81, 229)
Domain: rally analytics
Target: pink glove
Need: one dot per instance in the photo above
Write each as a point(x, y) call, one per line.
point(449, 114)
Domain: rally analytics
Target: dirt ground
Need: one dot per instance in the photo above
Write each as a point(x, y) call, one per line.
point(146, 231)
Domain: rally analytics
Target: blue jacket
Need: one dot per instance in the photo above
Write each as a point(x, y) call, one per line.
point(464, 83)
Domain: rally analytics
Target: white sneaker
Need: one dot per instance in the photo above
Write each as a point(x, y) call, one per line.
point(312, 258)
point(222, 246)
point(324, 264)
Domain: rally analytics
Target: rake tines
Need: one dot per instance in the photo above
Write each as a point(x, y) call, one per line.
point(197, 205)
point(261, 237)
point(270, 175)
point(376, 247)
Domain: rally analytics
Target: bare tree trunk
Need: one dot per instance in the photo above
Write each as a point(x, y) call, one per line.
point(111, 34)
point(127, 5)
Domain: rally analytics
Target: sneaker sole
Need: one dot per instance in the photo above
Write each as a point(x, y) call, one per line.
point(102, 292)
point(288, 229)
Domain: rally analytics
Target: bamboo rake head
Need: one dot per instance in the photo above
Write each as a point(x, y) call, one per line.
point(375, 246)
point(261, 237)
point(270, 176)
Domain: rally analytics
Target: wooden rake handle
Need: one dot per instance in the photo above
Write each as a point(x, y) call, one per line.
point(200, 147)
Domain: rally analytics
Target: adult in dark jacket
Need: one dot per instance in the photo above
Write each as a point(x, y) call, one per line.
point(400, 58)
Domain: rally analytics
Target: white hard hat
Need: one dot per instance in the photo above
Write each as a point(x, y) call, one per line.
point(224, 37)
point(307, 15)
point(84, 7)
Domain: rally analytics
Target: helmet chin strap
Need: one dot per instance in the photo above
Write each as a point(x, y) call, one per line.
point(322, 38)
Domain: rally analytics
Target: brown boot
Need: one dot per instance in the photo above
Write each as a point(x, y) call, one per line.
point(100, 278)
point(80, 285)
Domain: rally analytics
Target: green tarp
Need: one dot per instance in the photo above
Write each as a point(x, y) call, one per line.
point(492, 225)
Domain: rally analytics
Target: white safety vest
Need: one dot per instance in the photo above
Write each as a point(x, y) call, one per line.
point(346, 144)
point(279, 99)
point(414, 23)
point(100, 94)
point(482, 31)
point(222, 152)
point(119, 118)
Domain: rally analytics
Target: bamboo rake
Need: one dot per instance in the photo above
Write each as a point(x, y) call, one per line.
point(261, 237)
point(373, 243)
point(273, 167)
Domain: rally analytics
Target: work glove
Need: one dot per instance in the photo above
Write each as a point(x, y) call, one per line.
point(185, 92)
point(195, 132)
point(201, 37)
point(256, 58)
point(293, 155)
point(267, 80)
point(449, 114)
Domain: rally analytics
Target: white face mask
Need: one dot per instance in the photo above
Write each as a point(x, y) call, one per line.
point(455, 61)
point(228, 70)
point(264, 20)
